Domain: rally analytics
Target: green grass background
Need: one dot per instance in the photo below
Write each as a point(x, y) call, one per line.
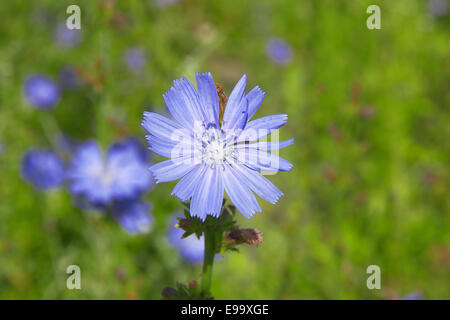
point(363, 191)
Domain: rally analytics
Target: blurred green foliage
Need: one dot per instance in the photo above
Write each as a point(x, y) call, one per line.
point(368, 109)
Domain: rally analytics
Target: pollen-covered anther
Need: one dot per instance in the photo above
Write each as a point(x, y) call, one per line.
point(214, 148)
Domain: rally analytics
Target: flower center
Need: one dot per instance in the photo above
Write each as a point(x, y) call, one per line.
point(106, 178)
point(213, 146)
point(214, 151)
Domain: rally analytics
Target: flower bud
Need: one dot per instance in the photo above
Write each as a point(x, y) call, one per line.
point(192, 284)
point(249, 236)
point(169, 292)
point(183, 223)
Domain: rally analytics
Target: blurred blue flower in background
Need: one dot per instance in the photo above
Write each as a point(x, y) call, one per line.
point(134, 216)
point(122, 174)
point(67, 38)
point(438, 8)
point(279, 51)
point(68, 78)
point(190, 248)
point(41, 92)
point(212, 157)
point(163, 3)
point(43, 169)
point(413, 296)
point(135, 59)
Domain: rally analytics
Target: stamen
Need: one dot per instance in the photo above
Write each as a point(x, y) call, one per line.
point(213, 147)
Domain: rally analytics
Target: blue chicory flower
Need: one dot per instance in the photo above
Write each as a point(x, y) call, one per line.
point(122, 174)
point(43, 169)
point(279, 51)
point(41, 92)
point(134, 216)
point(212, 157)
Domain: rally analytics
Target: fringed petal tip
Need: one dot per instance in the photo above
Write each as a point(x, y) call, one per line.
point(207, 74)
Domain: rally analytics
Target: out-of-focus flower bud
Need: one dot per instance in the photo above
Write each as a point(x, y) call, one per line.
point(193, 284)
point(169, 292)
point(249, 236)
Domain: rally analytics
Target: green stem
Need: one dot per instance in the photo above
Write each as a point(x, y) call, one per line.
point(208, 260)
